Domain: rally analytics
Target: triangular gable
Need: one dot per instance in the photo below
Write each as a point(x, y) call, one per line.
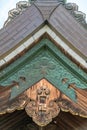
point(44, 60)
point(32, 19)
point(36, 64)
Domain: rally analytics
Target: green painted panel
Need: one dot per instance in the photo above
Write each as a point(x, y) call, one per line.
point(44, 60)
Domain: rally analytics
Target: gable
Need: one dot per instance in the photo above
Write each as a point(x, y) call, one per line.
point(40, 63)
point(44, 60)
point(16, 51)
point(43, 79)
point(14, 33)
point(32, 19)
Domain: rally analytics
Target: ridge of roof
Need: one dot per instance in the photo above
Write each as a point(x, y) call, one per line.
point(31, 19)
point(19, 28)
point(73, 9)
point(13, 13)
point(46, 7)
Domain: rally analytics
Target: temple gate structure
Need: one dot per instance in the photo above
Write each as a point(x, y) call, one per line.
point(43, 67)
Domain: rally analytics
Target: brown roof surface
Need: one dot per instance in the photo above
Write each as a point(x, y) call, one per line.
point(34, 16)
point(68, 27)
point(18, 29)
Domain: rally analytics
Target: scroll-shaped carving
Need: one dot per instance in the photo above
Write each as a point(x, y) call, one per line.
point(42, 107)
point(5, 93)
point(71, 6)
point(17, 104)
point(81, 95)
point(20, 7)
point(78, 15)
point(6, 105)
point(47, 101)
point(43, 101)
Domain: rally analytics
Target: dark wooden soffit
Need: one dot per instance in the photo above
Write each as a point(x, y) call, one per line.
point(19, 120)
point(33, 17)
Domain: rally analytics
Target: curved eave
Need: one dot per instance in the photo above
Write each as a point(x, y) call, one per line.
point(28, 42)
point(71, 36)
point(70, 29)
point(17, 30)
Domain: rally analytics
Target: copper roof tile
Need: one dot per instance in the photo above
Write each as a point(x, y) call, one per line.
point(16, 31)
point(70, 29)
point(34, 16)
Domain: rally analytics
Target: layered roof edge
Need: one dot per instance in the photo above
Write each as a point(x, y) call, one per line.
point(32, 18)
point(33, 39)
point(72, 8)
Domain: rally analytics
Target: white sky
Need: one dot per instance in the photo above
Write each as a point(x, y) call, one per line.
point(6, 5)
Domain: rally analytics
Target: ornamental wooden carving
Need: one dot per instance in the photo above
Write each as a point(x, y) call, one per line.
point(43, 101)
point(42, 106)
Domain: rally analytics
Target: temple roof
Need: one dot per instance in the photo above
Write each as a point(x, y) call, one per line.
point(43, 44)
point(46, 7)
point(34, 16)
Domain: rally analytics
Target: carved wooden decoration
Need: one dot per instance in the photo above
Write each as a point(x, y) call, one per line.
point(43, 101)
point(42, 106)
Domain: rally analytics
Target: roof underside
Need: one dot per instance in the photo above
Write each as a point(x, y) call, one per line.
point(19, 120)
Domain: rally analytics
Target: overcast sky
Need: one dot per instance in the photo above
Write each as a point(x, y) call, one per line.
point(6, 5)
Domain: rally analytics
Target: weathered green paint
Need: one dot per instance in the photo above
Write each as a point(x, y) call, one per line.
point(44, 60)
